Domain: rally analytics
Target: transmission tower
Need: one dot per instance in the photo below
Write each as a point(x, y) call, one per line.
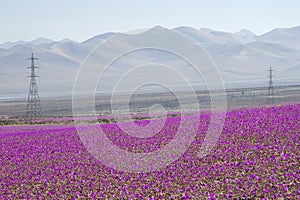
point(271, 88)
point(33, 101)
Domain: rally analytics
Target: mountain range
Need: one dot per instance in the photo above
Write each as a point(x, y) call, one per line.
point(243, 59)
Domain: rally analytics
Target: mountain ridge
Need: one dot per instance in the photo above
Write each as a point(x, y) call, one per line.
point(240, 56)
point(242, 32)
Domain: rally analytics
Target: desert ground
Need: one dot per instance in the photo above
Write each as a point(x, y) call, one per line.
point(13, 109)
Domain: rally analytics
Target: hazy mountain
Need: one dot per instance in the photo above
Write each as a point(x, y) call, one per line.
point(8, 45)
point(37, 41)
point(205, 36)
point(287, 36)
point(40, 40)
point(97, 39)
point(245, 33)
point(242, 58)
point(66, 40)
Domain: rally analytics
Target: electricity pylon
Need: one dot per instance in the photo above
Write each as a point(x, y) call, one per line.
point(270, 88)
point(33, 101)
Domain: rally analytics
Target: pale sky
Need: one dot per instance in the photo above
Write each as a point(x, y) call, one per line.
point(80, 20)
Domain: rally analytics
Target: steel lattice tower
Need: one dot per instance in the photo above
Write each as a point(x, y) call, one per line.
point(271, 88)
point(33, 101)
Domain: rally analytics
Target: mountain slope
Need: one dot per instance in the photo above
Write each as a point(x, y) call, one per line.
point(241, 57)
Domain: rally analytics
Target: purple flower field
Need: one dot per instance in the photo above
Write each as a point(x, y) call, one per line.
point(257, 156)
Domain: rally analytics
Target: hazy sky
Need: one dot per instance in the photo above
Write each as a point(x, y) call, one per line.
point(80, 20)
